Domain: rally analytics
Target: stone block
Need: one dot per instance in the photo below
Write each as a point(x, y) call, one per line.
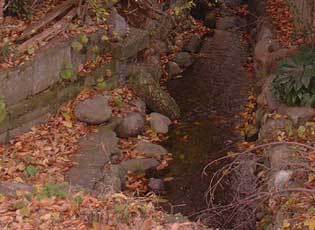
point(137, 41)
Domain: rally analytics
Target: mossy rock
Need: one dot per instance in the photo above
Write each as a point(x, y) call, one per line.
point(153, 95)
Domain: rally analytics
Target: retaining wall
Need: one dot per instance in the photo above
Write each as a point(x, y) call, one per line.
point(35, 89)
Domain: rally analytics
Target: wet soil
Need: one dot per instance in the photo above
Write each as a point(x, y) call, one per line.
point(211, 95)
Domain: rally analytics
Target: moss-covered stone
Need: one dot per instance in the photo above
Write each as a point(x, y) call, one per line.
point(153, 95)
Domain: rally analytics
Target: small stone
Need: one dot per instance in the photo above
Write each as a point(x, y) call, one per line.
point(183, 59)
point(149, 149)
point(10, 188)
point(140, 105)
point(139, 165)
point(159, 123)
point(193, 44)
point(94, 110)
point(173, 69)
point(131, 125)
point(156, 185)
point(279, 156)
point(282, 178)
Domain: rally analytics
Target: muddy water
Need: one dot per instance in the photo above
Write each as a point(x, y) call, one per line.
point(211, 95)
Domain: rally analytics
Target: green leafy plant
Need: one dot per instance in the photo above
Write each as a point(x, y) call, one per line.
point(294, 83)
point(31, 170)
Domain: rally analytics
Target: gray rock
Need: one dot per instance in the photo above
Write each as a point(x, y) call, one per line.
point(149, 149)
point(159, 123)
point(117, 24)
point(193, 45)
point(281, 179)
point(94, 152)
point(9, 188)
point(110, 182)
point(173, 69)
point(139, 165)
point(267, 98)
point(156, 185)
point(183, 59)
point(227, 23)
point(298, 115)
point(279, 156)
point(272, 127)
point(131, 125)
point(94, 110)
point(140, 105)
point(113, 123)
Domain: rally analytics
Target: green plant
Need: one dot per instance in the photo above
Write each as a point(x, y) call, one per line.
point(67, 73)
point(50, 190)
point(294, 83)
point(20, 8)
point(119, 101)
point(77, 46)
point(31, 170)
point(6, 50)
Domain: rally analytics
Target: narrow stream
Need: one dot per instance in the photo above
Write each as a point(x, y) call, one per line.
point(211, 95)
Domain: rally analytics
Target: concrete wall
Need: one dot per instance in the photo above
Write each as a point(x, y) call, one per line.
point(35, 89)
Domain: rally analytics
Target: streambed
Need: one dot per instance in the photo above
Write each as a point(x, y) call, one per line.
point(211, 95)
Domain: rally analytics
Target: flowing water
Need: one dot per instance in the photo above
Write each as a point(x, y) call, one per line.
point(211, 95)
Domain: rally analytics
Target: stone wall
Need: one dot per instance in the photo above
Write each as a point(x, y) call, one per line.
point(35, 89)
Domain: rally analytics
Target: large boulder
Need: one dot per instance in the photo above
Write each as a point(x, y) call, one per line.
point(94, 110)
point(159, 123)
point(149, 149)
point(153, 95)
point(94, 153)
point(131, 125)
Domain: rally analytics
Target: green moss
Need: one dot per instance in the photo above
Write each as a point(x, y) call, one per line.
point(67, 73)
point(77, 46)
point(3, 111)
